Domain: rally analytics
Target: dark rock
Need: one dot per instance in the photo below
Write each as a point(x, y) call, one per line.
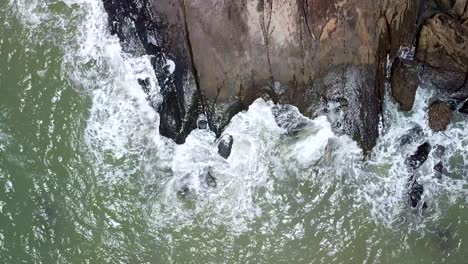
point(405, 82)
point(439, 168)
point(160, 32)
point(411, 136)
point(464, 108)
point(415, 194)
point(202, 124)
point(419, 157)
point(440, 116)
point(450, 83)
point(439, 151)
point(210, 180)
point(225, 146)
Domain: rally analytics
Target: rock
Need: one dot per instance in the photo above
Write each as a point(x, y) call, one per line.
point(225, 146)
point(405, 82)
point(214, 58)
point(438, 169)
point(415, 194)
point(411, 135)
point(290, 119)
point(419, 157)
point(160, 32)
point(442, 48)
point(401, 16)
point(202, 124)
point(210, 180)
point(440, 116)
point(449, 83)
point(464, 108)
point(294, 44)
point(439, 151)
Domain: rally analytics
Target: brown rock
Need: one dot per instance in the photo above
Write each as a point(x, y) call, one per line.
point(443, 47)
point(315, 50)
point(402, 18)
point(306, 53)
point(405, 82)
point(440, 116)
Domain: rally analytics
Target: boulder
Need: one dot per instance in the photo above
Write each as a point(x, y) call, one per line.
point(438, 169)
point(405, 82)
point(411, 136)
point(440, 116)
point(415, 195)
point(442, 47)
point(225, 146)
point(419, 157)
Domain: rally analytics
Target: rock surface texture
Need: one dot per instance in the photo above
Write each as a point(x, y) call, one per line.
point(308, 53)
point(440, 116)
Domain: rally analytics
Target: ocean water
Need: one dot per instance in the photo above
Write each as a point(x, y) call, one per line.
point(85, 176)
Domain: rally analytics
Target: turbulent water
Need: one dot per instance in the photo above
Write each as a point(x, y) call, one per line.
point(85, 176)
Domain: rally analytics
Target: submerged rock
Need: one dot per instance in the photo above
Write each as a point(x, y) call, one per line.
point(210, 180)
point(225, 146)
point(438, 169)
point(405, 82)
point(415, 194)
point(411, 136)
point(419, 157)
point(440, 116)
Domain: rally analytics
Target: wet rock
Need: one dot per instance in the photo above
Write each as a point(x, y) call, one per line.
point(411, 135)
point(202, 124)
point(415, 194)
point(464, 108)
point(183, 187)
point(290, 119)
point(210, 180)
point(225, 146)
point(442, 47)
point(449, 83)
point(294, 44)
point(161, 33)
point(438, 169)
point(405, 82)
point(315, 51)
point(440, 116)
point(419, 157)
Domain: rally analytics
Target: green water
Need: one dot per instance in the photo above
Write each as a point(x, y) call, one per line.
point(66, 199)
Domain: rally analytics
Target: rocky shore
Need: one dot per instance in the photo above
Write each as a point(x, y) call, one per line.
point(214, 58)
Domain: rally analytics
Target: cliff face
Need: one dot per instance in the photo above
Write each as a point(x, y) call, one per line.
point(313, 54)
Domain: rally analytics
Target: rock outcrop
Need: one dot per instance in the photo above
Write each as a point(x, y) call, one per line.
point(443, 48)
point(308, 53)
